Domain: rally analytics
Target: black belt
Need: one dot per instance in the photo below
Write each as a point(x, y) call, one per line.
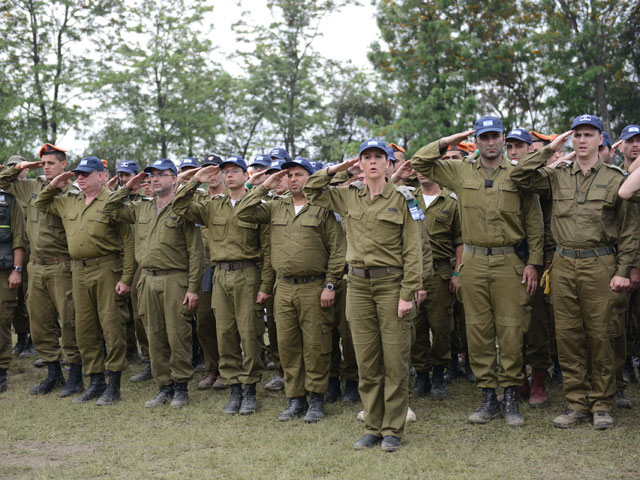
point(488, 251)
point(157, 273)
point(585, 253)
point(373, 272)
point(50, 260)
point(89, 262)
point(301, 280)
point(239, 265)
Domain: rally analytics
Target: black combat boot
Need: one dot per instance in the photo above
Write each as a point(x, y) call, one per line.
point(351, 394)
point(471, 378)
point(75, 383)
point(333, 390)
point(421, 385)
point(54, 379)
point(111, 395)
point(164, 396)
point(488, 409)
point(249, 403)
point(454, 371)
point(21, 344)
point(629, 374)
point(557, 372)
point(180, 395)
point(316, 410)
point(142, 376)
point(29, 350)
point(297, 407)
point(97, 386)
point(512, 415)
point(236, 399)
point(3, 380)
point(438, 389)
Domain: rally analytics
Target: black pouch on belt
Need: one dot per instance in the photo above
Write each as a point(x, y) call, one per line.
point(207, 280)
point(521, 249)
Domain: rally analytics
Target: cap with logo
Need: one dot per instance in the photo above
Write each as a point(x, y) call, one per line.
point(629, 131)
point(127, 166)
point(591, 120)
point(236, 161)
point(210, 160)
point(261, 161)
point(275, 166)
point(50, 148)
point(279, 154)
point(188, 162)
point(606, 141)
point(162, 164)
point(300, 162)
point(520, 134)
point(488, 124)
point(316, 165)
point(14, 160)
point(90, 164)
point(373, 143)
point(390, 154)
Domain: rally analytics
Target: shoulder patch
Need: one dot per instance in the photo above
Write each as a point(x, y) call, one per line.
point(414, 209)
point(453, 195)
point(357, 184)
point(42, 178)
point(616, 168)
point(74, 192)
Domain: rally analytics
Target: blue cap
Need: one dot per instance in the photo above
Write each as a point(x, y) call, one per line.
point(275, 166)
point(488, 124)
point(587, 120)
point(391, 154)
point(261, 161)
point(127, 167)
point(189, 162)
point(211, 160)
point(317, 165)
point(162, 164)
point(520, 134)
point(606, 141)
point(280, 154)
point(629, 131)
point(89, 164)
point(300, 162)
point(234, 160)
point(373, 143)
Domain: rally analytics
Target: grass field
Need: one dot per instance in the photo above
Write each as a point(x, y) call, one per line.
point(47, 437)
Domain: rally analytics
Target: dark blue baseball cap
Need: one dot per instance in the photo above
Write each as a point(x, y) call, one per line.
point(234, 160)
point(189, 162)
point(317, 165)
point(280, 154)
point(587, 120)
point(162, 164)
point(261, 161)
point(606, 141)
point(127, 167)
point(90, 164)
point(211, 160)
point(275, 166)
point(488, 124)
point(373, 143)
point(520, 134)
point(300, 162)
point(629, 131)
point(391, 154)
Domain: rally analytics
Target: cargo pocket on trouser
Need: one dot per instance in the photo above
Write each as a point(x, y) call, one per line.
point(325, 339)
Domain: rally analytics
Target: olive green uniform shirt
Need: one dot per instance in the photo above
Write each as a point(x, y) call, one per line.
point(587, 211)
point(169, 242)
point(230, 239)
point(18, 232)
point(380, 232)
point(90, 234)
point(45, 232)
point(494, 213)
point(443, 224)
point(310, 243)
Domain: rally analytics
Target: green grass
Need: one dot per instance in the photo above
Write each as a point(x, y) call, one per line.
point(47, 437)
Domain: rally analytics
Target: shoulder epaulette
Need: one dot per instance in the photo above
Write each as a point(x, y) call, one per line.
point(414, 209)
point(453, 195)
point(618, 169)
point(74, 192)
point(407, 192)
point(514, 162)
point(42, 178)
point(357, 184)
point(218, 195)
point(146, 199)
point(563, 164)
point(201, 191)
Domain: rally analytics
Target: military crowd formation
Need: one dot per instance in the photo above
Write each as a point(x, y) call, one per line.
point(506, 260)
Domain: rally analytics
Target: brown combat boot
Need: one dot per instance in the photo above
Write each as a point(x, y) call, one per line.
point(569, 418)
point(208, 381)
point(538, 397)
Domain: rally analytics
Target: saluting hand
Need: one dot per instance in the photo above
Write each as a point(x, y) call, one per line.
point(569, 158)
point(454, 139)
point(112, 183)
point(191, 300)
point(341, 167)
point(61, 180)
point(30, 165)
point(616, 145)
point(257, 178)
point(136, 182)
point(206, 174)
point(559, 141)
point(404, 172)
point(186, 175)
point(274, 179)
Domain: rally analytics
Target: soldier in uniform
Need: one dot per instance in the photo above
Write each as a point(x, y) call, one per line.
point(12, 246)
point(50, 286)
point(384, 253)
point(241, 286)
point(102, 272)
point(170, 279)
point(497, 275)
point(597, 242)
point(305, 285)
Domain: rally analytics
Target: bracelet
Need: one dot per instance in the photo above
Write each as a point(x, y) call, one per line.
point(248, 185)
point(454, 274)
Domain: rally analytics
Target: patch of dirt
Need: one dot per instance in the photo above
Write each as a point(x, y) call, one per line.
point(40, 454)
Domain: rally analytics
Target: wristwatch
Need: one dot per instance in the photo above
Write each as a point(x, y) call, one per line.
point(17, 268)
point(330, 286)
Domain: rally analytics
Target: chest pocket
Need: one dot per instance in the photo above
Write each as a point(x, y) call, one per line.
point(171, 232)
point(252, 226)
point(602, 202)
point(388, 228)
point(563, 202)
point(438, 221)
point(509, 198)
point(310, 221)
point(470, 193)
point(99, 227)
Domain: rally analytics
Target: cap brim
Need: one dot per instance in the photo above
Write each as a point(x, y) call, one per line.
point(86, 169)
point(515, 137)
point(125, 170)
point(374, 148)
point(286, 165)
point(148, 169)
point(259, 164)
point(488, 129)
point(222, 165)
point(629, 135)
point(211, 163)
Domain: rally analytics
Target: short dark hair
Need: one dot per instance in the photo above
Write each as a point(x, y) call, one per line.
point(60, 156)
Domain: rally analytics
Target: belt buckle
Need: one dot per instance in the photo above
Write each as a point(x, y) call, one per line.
point(489, 252)
point(577, 253)
point(367, 273)
point(84, 263)
point(43, 261)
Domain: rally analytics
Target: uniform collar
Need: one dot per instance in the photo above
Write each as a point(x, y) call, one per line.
point(389, 188)
point(575, 168)
point(503, 164)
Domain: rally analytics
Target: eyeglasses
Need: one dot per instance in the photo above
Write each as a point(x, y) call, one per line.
point(158, 175)
point(84, 174)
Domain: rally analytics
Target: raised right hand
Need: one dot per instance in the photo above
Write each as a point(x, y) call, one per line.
point(61, 180)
